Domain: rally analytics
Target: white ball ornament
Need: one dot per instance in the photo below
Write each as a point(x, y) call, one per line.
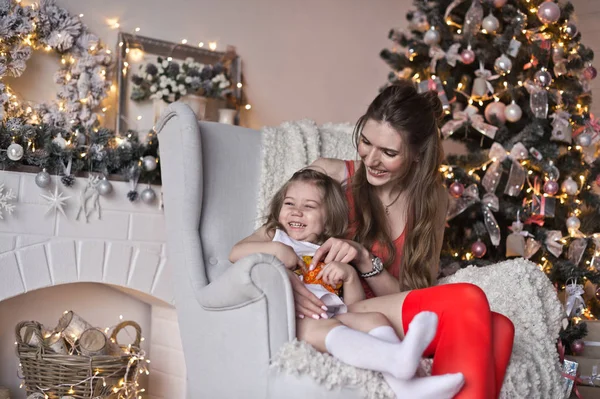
point(60, 141)
point(104, 187)
point(148, 195)
point(503, 64)
point(42, 179)
point(513, 112)
point(149, 163)
point(490, 23)
point(15, 152)
point(569, 186)
point(573, 223)
point(432, 36)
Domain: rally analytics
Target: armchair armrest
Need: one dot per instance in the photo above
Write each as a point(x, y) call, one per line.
point(251, 279)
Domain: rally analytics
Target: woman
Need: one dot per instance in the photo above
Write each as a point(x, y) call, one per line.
point(397, 216)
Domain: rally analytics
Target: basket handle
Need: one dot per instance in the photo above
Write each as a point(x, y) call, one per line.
point(122, 325)
point(23, 324)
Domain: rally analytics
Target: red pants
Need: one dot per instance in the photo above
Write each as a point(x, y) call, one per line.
point(470, 339)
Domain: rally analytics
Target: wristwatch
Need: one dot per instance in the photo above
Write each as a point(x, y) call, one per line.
point(377, 268)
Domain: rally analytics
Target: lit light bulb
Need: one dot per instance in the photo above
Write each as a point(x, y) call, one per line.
point(184, 41)
point(248, 106)
point(212, 46)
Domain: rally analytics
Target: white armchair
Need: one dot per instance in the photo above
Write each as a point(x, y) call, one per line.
point(234, 319)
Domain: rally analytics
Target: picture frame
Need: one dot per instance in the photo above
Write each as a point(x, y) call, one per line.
point(129, 44)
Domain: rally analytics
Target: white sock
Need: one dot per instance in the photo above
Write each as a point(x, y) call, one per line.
point(437, 387)
point(400, 359)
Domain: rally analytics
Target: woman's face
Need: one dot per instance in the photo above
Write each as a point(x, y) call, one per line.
point(303, 212)
point(380, 149)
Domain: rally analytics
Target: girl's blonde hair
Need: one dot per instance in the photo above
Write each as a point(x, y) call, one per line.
point(336, 208)
point(414, 116)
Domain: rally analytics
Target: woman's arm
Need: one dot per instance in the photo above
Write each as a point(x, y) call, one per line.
point(261, 242)
point(334, 168)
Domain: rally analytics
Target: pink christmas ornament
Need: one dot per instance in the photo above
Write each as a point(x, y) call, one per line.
point(551, 187)
point(467, 56)
point(479, 249)
point(548, 12)
point(457, 189)
point(499, 3)
point(495, 109)
point(590, 73)
point(577, 347)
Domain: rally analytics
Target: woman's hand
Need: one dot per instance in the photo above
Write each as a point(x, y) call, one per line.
point(288, 257)
point(337, 272)
point(306, 303)
point(345, 251)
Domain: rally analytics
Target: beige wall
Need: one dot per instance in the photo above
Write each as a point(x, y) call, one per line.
point(314, 59)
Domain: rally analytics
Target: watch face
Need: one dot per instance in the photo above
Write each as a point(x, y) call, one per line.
point(377, 264)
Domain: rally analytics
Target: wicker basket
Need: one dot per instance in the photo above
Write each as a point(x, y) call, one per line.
point(59, 375)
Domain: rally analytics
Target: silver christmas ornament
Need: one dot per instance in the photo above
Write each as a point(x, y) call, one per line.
point(513, 112)
point(571, 30)
point(542, 78)
point(104, 187)
point(42, 179)
point(149, 163)
point(15, 152)
point(490, 23)
point(60, 141)
point(569, 186)
point(432, 36)
point(573, 223)
point(503, 65)
point(584, 140)
point(548, 12)
point(148, 195)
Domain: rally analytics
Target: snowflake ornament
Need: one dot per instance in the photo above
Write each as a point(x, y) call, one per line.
point(55, 201)
point(5, 198)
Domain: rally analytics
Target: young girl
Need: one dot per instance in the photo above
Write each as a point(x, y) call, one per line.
point(306, 211)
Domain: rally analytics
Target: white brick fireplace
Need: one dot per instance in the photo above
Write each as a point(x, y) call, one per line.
point(125, 249)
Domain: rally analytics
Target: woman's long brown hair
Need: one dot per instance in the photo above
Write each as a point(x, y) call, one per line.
point(415, 117)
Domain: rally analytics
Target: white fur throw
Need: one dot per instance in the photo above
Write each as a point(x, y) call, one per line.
point(515, 288)
point(293, 146)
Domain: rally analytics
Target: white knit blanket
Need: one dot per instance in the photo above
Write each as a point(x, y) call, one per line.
point(515, 288)
point(293, 146)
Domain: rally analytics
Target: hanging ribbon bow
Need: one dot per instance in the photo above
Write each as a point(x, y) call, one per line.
point(489, 204)
point(553, 243)
point(574, 303)
point(468, 117)
point(436, 54)
point(487, 76)
point(517, 174)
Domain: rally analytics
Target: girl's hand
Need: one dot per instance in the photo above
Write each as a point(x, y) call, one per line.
point(344, 251)
point(337, 272)
point(288, 257)
point(306, 303)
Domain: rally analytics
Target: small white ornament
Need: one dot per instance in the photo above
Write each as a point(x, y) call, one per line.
point(503, 64)
point(513, 112)
point(432, 36)
point(5, 201)
point(42, 179)
point(89, 194)
point(83, 85)
point(584, 140)
point(490, 23)
point(569, 186)
point(15, 152)
point(55, 201)
point(104, 187)
point(60, 141)
point(573, 223)
point(149, 163)
point(148, 195)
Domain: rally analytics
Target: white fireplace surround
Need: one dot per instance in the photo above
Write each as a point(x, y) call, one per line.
point(125, 248)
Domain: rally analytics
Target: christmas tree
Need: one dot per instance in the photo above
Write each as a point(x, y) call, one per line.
point(514, 79)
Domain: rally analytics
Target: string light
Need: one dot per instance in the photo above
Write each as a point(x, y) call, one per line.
point(248, 106)
point(201, 44)
point(212, 45)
